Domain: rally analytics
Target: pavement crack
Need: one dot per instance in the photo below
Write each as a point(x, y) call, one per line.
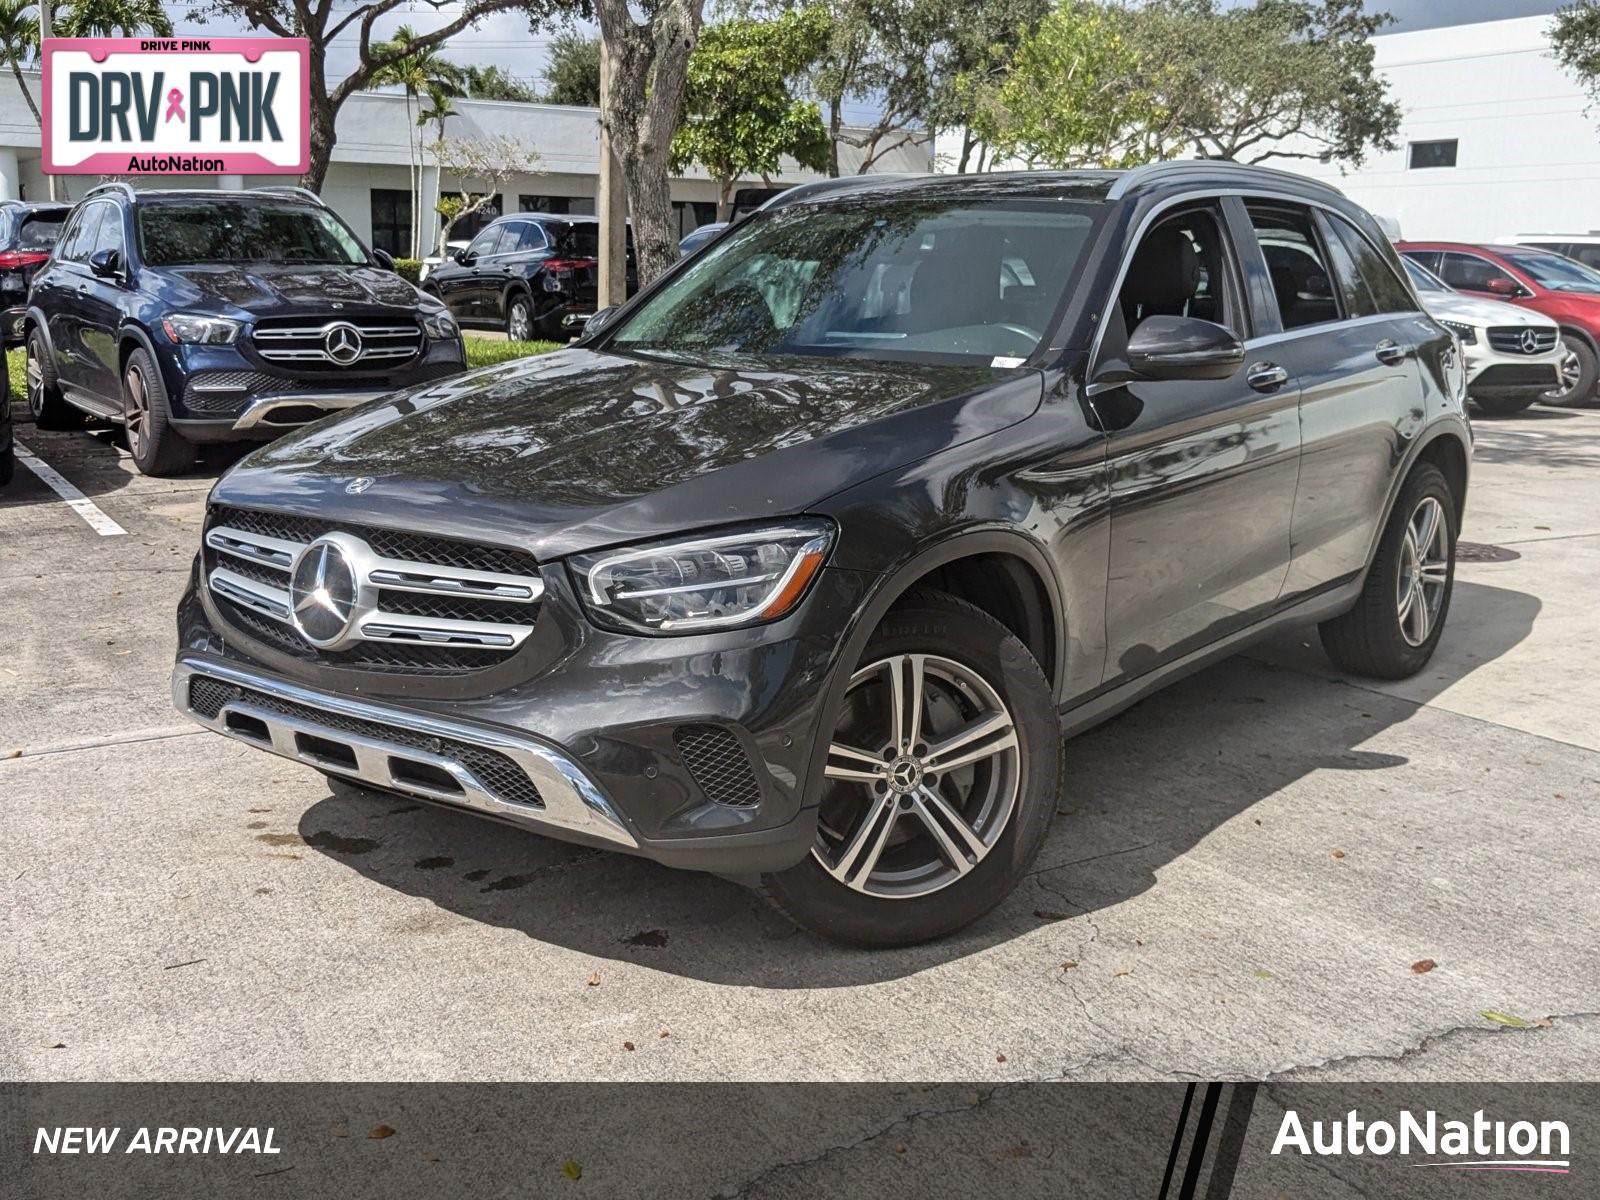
point(1412, 1049)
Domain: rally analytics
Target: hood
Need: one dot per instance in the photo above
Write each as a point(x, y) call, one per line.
point(263, 289)
point(1469, 310)
point(576, 449)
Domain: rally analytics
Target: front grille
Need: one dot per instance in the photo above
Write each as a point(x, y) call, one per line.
point(1518, 375)
point(1508, 339)
point(497, 772)
point(228, 391)
point(376, 343)
point(718, 764)
point(463, 607)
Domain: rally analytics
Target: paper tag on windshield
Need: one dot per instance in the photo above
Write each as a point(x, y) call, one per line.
point(1004, 360)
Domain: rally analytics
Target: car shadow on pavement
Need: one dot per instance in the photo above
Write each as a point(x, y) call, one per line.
point(1142, 790)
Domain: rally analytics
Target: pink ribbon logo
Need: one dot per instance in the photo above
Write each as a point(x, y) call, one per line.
point(175, 105)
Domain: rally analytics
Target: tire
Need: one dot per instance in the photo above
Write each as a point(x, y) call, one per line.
point(8, 465)
point(1502, 406)
point(1585, 373)
point(157, 448)
point(519, 317)
point(903, 886)
point(1383, 636)
point(46, 404)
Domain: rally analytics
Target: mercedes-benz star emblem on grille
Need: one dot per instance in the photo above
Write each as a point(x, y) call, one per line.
point(324, 594)
point(358, 485)
point(343, 344)
point(1529, 342)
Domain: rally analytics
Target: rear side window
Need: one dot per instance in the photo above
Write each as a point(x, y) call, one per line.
point(1366, 280)
point(1589, 256)
point(39, 231)
point(1300, 277)
point(530, 237)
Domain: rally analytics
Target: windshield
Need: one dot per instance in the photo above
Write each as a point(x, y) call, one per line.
point(918, 280)
point(220, 231)
point(1423, 279)
point(1555, 272)
point(39, 231)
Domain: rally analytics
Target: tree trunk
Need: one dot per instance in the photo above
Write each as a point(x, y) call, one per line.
point(323, 137)
point(414, 236)
point(724, 199)
point(966, 149)
point(648, 66)
point(22, 86)
point(835, 124)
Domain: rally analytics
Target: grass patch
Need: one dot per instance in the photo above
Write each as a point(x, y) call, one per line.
point(481, 352)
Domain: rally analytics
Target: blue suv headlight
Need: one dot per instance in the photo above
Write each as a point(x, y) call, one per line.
point(196, 329)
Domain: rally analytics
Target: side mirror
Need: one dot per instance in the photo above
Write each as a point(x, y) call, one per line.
point(384, 259)
point(1501, 286)
point(595, 323)
point(107, 264)
point(1163, 348)
point(464, 257)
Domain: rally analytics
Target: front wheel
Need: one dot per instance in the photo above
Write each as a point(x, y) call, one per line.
point(1580, 371)
point(157, 448)
point(942, 775)
point(1395, 625)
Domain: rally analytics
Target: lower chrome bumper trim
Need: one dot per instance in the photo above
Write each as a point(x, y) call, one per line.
point(570, 801)
point(259, 411)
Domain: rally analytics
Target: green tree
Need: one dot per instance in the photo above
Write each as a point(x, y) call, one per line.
point(418, 70)
point(491, 83)
point(1575, 35)
point(572, 73)
point(976, 61)
point(19, 42)
point(1071, 96)
point(111, 18)
point(1277, 79)
point(740, 115)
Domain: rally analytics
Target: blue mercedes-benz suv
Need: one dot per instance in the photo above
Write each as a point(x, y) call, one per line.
point(203, 316)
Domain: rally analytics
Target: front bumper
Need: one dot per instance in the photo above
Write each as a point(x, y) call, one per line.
point(1491, 373)
point(636, 728)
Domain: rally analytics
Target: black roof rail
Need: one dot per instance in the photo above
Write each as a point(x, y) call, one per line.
point(286, 189)
point(1157, 171)
point(114, 185)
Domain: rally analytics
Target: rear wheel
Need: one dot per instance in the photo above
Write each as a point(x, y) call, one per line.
point(157, 448)
point(519, 318)
point(46, 405)
point(942, 776)
point(8, 464)
point(1580, 370)
point(1393, 629)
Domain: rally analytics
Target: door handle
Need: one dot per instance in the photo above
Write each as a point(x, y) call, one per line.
point(1266, 376)
point(1390, 352)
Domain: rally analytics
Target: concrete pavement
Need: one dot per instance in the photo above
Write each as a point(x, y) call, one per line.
point(1243, 873)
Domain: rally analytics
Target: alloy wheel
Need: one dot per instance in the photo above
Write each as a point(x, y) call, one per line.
point(35, 383)
point(136, 410)
point(925, 769)
point(1424, 571)
point(521, 322)
point(1571, 371)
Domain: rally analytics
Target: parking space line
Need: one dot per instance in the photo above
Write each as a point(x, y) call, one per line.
point(76, 500)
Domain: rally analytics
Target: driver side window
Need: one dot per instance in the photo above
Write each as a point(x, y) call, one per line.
point(484, 243)
point(1182, 268)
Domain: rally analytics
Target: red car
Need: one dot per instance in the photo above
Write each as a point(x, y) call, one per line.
point(1562, 289)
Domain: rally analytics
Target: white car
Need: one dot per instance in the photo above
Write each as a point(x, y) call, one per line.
point(433, 260)
point(1513, 354)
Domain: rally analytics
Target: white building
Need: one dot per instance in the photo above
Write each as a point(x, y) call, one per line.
point(369, 179)
point(1494, 139)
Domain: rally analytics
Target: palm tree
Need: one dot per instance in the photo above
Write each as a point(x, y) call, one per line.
point(440, 93)
point(112, 18)
point(416, 71)
point(19, 43)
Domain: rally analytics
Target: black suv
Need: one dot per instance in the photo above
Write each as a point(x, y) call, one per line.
point(191, 316)
point(28, 232)
point(532, 274)
point(797, 568)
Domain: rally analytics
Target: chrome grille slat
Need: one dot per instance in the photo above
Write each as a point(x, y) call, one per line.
point(1508, 339)
point(494, 609)
point(381, 341)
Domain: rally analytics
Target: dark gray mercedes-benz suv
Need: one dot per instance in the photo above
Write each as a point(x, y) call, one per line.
point(799, 567)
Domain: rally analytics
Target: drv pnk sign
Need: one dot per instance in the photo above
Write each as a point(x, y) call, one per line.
point(177, 106)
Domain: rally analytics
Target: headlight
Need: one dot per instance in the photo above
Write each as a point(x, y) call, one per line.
point(704, 583)
point(441, 326)
point(1466, 333)
point(196, 329)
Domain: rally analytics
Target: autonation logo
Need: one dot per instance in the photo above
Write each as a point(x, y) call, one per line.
point(1480, 1144)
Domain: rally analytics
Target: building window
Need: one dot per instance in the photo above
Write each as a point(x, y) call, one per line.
point(1433, 154)
point(468, 226)
point(391, 221)
point(573, 206)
